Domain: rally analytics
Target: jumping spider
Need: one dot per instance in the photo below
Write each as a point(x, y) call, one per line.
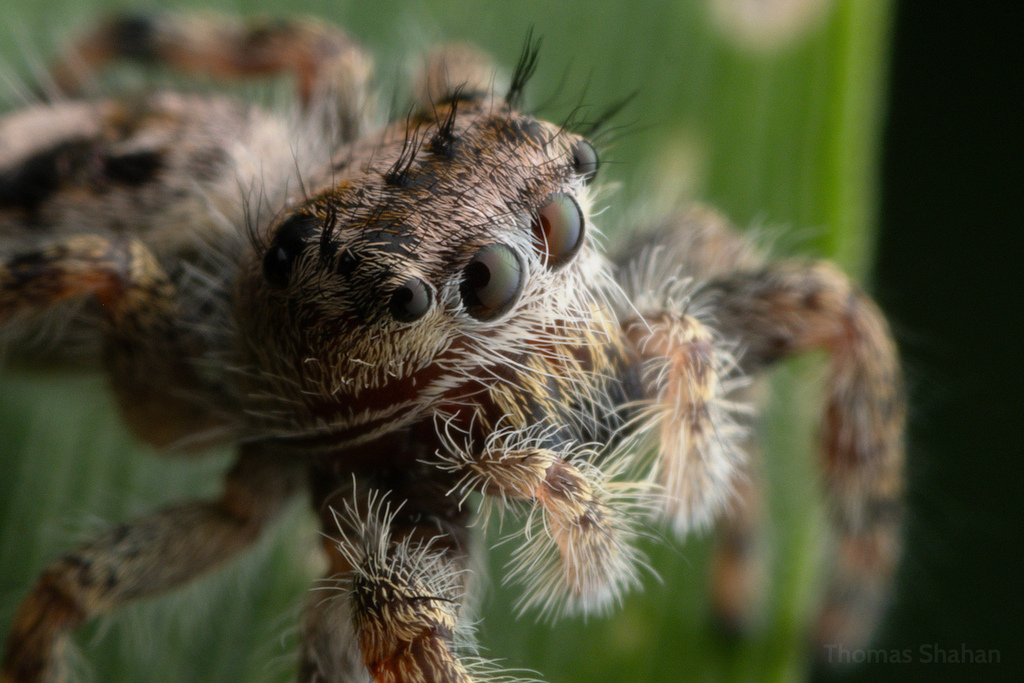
point(411, 322)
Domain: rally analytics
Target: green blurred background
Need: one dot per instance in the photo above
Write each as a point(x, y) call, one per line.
point(774, 116)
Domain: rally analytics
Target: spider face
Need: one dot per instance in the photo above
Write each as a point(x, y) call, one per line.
point(381, 293)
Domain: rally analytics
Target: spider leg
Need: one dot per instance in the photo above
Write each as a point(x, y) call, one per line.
point(694, 245)
point(152, 554)
point(331, 69)
point(772, 312)
point(577, 555)
point(145, 352)
point(688, 370)
point(686, 373)
point(453, 72)
point(122, 274)
point(395, 597)
point(784, 309)
point(738, 572)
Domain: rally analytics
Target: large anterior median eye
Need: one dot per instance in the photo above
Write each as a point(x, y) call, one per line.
point(492, 281)
point(558, 229)
point(288, 243)
point(411, 301)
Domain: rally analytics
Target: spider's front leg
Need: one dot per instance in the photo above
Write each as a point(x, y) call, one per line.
point(144, 557)
point(766, 313)
point(392, 606)
point(658, 269)
point(687, 372)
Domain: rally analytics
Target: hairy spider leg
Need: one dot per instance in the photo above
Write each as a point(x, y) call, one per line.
point(150, 555)
point(332, 70)
point(142, 344)
point(789, 308)
point(393, 601)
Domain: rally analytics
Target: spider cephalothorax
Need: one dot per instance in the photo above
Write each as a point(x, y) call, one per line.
point(411, 322)
point(435, 250)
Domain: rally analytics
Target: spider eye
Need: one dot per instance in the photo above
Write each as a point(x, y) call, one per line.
point(411, 301)
point(492, 281)
point(585, 161)
point(288, 243)
point(347, 262)
point(558, 229)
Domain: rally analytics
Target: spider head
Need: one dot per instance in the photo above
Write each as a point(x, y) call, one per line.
point(436, 251)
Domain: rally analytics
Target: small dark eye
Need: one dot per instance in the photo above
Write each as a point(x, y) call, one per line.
point(492, 281)
point(277, 267)
point(347, 262)
point(289, 242)
point(585, 161)
point(558, 229)
point(411, 301)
